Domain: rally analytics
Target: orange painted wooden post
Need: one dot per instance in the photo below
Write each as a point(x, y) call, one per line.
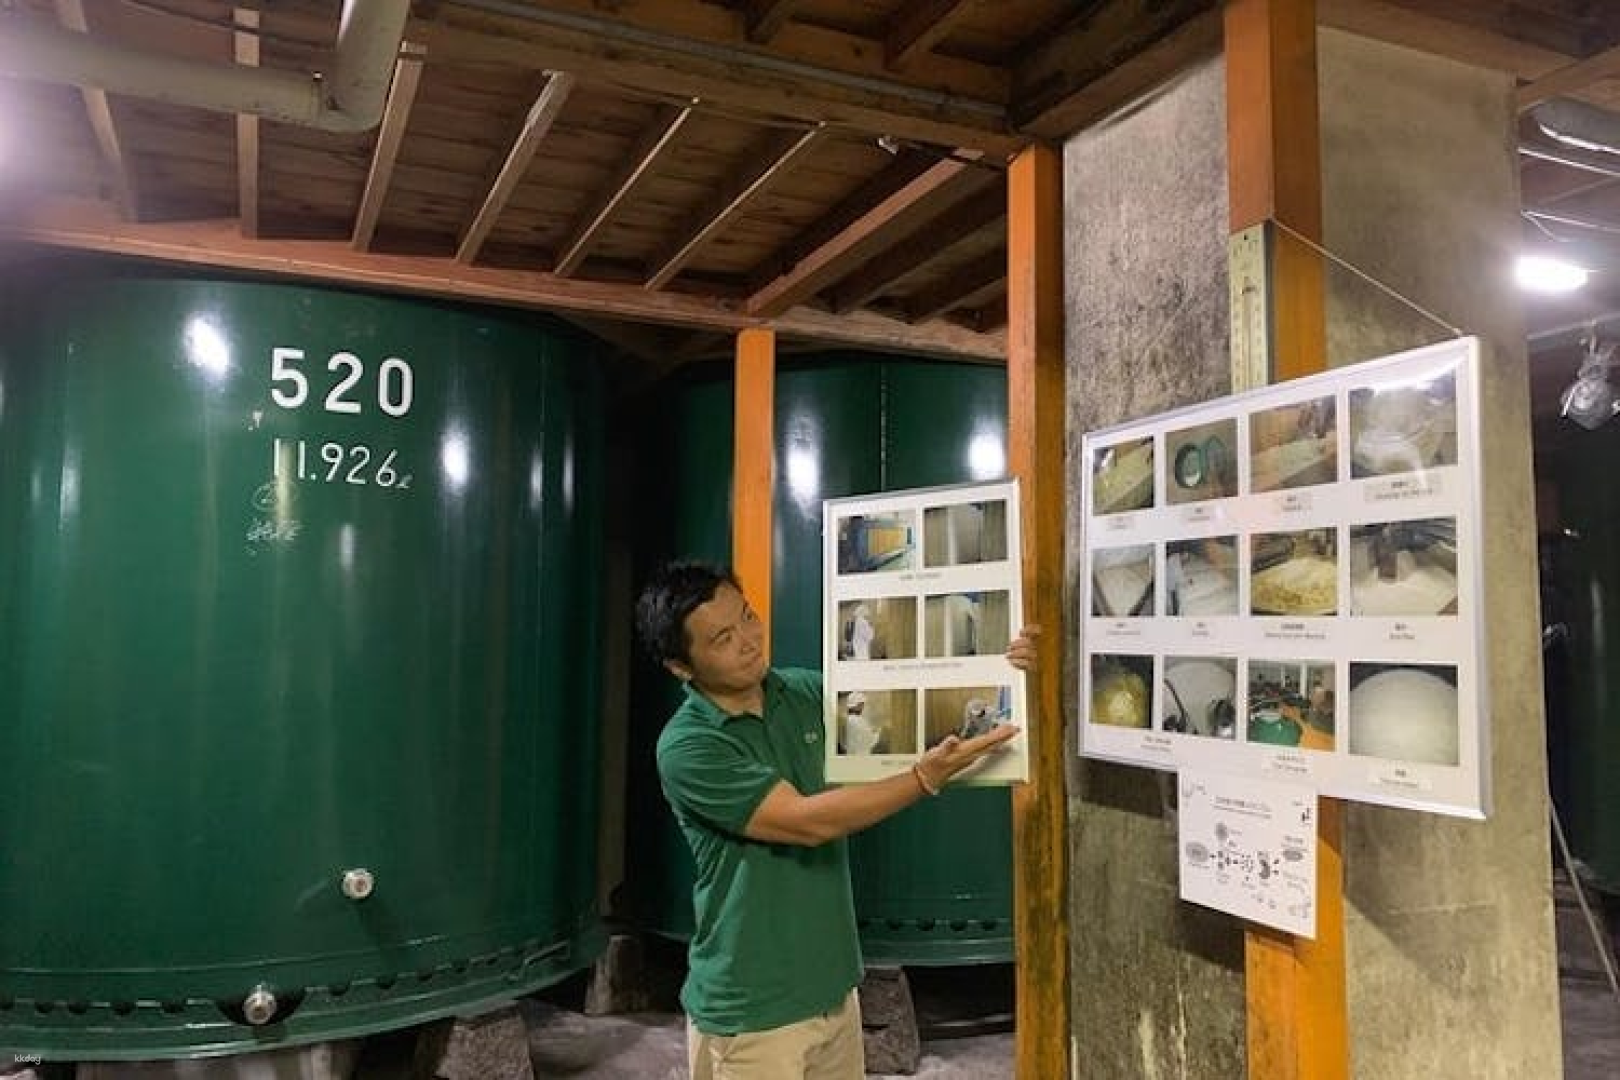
point(753, 468)
point(1297, 1022)
point(1035, 437)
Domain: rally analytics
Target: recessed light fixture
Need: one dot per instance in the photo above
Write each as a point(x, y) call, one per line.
point(1549, 276)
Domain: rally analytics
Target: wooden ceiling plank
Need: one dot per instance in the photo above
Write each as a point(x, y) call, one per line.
point(390, 134)
point(245, 44)
point(97, 108)
point(638, 164)
point(732, 197)
point(1107, 57)
point(958, 288)
point(918, 27)
point(94, 226)
point(764, 19)
point(935, 238)
point(1399, 25)
point(542, 114)
point(864, 237)
point(874, 103)
point(1568, 79)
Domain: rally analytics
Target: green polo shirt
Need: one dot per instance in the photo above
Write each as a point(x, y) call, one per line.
point(775, 941)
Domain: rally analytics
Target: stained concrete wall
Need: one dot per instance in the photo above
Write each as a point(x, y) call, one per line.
point(1451, 966)
point(1449, 928)
point(1158, 984)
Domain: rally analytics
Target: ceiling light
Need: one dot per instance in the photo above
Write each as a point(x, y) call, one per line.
point(1549, 276)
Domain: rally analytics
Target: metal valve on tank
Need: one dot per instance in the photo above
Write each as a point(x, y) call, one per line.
point(259, 1007)
point(358, 883)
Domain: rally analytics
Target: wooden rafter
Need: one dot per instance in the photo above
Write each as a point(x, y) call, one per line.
point(765, 18)
point(958, 288)
point(811, 73)
point(755, 175)
point(542, 114)
point(90, 226)
point(70, 13)
point(918, 27)
point(246, 47)
point(1109, 55)
point(636, 167)
point(390, 134)
point(930, 241)
point(867, 234)
point(1566, 80)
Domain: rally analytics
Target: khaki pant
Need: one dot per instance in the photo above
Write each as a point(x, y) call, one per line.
point(825, 1047)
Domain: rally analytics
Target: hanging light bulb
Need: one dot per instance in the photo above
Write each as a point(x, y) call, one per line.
point(1592, 399)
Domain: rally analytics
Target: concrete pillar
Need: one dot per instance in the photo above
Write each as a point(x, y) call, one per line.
point(1452, 963)
point(1158, 984)
point(1449, 943)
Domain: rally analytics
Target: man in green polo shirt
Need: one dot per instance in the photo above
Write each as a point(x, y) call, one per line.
point(775, 957)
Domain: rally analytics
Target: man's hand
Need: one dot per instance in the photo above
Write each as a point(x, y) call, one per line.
point(955, 754)
point(1023, 652)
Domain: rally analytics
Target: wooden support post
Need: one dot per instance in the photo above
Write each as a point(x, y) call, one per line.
point(1036, 413)
point(1297, 1024)
point(754, 468)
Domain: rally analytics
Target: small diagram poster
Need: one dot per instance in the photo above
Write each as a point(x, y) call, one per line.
point(1285, 583)
point(922, 597)
point(1248, 848)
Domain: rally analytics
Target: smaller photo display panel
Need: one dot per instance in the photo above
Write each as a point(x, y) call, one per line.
point(878, 628)
point(966, 533)
point(1405, 712)
point(877, 543)
point(1122, 581)
point(1300, 597)
point(1200, 695)
point(1201, 577)
point(922, 598)
point(1404, 567)
point(1401, 427)
point(1294, 445)
point(1201, 462)
point(1122, 477)
point(876, 722)
point(1294, 573)
point(1292, 703)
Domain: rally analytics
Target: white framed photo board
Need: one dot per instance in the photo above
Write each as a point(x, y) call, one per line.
point(1286, 584)
point(922, 595)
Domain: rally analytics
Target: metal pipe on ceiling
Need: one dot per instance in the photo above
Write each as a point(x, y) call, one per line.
point(610, 30)
point(347, 97)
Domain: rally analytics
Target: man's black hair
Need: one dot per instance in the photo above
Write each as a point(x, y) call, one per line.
point(674, 591)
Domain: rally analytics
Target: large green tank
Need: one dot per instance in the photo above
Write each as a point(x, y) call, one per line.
point(1582, 591)
point(298, 662)
point(932, 885)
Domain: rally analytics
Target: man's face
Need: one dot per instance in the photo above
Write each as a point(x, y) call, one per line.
point(726, 643)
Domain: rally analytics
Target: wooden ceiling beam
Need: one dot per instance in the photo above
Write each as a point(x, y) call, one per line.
point(1569, 79)
point(390, 134)
point(933, 239)
point(906, 167)
point(1107, 57)
point(658, 137)
point(756, 173)
point(542, 114)
point(918, 27)
point(246, 47)
point(764, 19)
point(863, 238)
point(98, 110)
point(95, 226)
point(959, 288)
point(1397, 24)
point(810, 74)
